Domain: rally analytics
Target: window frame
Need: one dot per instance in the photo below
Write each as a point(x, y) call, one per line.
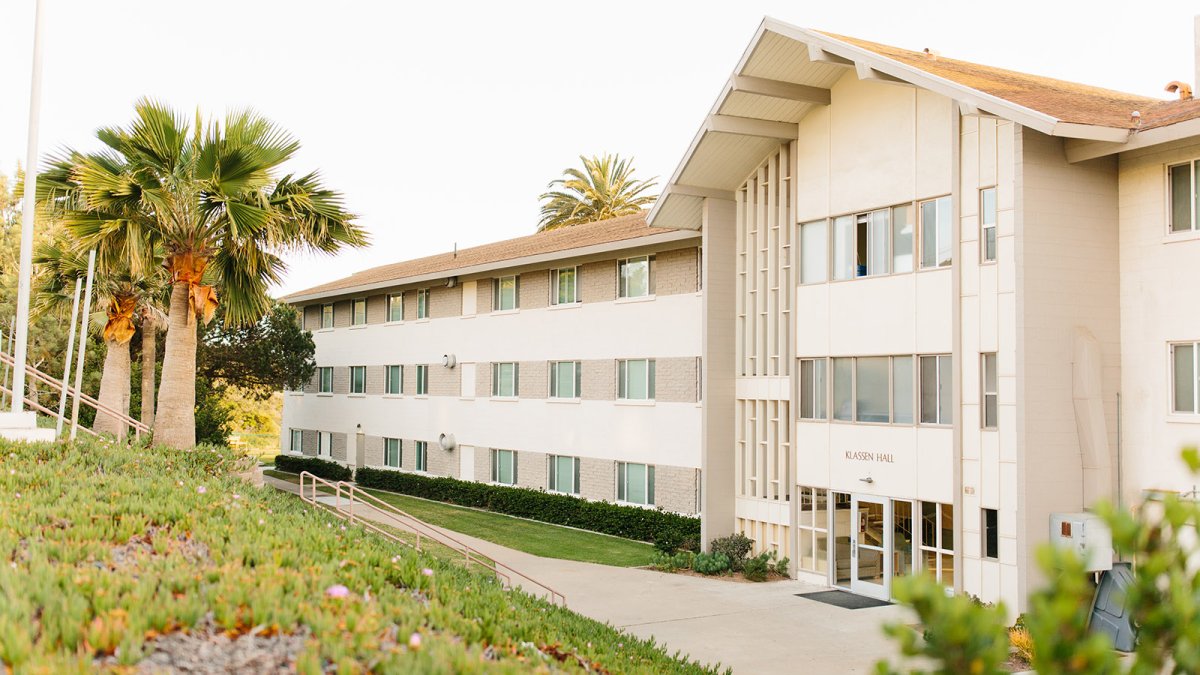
point(889, 253)
point(422, 303)
point(497, 455)
point(359, 372)
point(516, 382)
point(552, 479)
point(623, 483)
point(825, 245)
point(623, 380)
point(422, 380)
point(325, 380)
point(1172, 402)
point(399, 452)
point(1193, 197)
point(989, 416)
point(940, 359)
point(819, 396)
point(576, 380)
point(421, 456)
point(623, 283)
point(920, 239)
point(387, 380)
point(355, 315)
point(395, 301)
point(325, 444)
point(498, 293)
point(989, 542)
point(831, 392)
point(939, 547)
point(297, 442)
point(555, 291)
point(985, 226)
point(327, 321)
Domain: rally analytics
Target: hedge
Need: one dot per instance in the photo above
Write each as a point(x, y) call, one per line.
point(320, 468)
point(631, 522)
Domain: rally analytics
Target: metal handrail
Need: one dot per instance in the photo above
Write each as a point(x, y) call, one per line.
point(32, 403)
point(137, 426)
point(406, 520)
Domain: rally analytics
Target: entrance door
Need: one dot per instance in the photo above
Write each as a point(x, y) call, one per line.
point(870, 542)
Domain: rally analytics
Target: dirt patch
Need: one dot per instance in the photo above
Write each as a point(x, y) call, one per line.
point(142, 546)
point(208, 650)
point(736, 577)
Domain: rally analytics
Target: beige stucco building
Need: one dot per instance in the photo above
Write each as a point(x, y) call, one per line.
point(942, 302)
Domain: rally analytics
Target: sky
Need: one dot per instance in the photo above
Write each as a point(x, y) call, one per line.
point(442, 122)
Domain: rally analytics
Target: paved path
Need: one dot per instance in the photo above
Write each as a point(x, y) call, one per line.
point(753, 628)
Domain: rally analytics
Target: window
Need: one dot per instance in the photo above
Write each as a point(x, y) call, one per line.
point(504, 467)
point(359, 316)
point(814, 530)
point(813, 389)
point(504, 293)
point(504, 380)
point(635, 380)
point(937, 541)
point(297, 441)
point(635, 483)
point(902, 239)
point(327, 316)
point(871, 389)
point(843, 247)
point(423, 303)
point(421, 455)
point(395, 380)
point(990, 397)
point(860, 245)
point(936, 247)
point(814, 252)
point(325, 443)
point(325, 384)
point(635, 277)
point(358, 379)
point(987, 221)
point(936, 382)
point(564, 379)
point(393, 452)
point(1185, 369)
point(564, 474)
point(991, 535)
point(564, 286)
point(843, 389)
point(422, 380)
point(395, 303)
point(875, 389)
point(902, 389)
point(1182, 180)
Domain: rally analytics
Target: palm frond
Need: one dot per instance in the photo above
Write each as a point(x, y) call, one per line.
point(604, 188)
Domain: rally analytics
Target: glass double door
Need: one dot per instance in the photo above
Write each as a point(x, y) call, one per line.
point(870, 545)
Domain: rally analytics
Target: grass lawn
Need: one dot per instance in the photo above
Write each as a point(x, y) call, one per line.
point(544, 539)
point(114, 556)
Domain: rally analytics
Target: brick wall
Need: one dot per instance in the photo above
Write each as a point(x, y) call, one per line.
point(533, 379)
point(312, 317)
point(308, 442)
point(535, 289)
point(483, 464)
point(445, 302)
point(374, 452)
point(597, 479)
point(342, 312)
point(675, 380)
point(483, 296)
point(410, 375)
point(440, 462)
point(483, 379)
point(599, 380)
point(676, 272)
point(341, 380)
point(377, 309)
point(444, 381)
point(314, 382)
point(531, 469)
point(339, 446)
point(410, 305)
point(376, 379)
point(675, 488)
point(598, 281)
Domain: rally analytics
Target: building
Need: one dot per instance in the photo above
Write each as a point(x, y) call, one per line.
point(566, 361)
point(942, 302)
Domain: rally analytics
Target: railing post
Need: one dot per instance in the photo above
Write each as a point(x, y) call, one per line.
point(351, 507)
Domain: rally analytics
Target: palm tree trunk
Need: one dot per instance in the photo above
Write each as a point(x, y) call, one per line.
point(149, 359)
point(114, 389)
point(176, 414)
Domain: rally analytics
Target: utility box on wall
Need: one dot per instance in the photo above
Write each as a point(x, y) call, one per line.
point(1085, 533)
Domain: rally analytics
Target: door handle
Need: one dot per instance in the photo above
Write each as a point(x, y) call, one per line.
point(854, 548)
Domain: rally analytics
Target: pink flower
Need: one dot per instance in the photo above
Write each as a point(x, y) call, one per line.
point(18, 495)
point(395, 559)
point(261, 521)
point(236, 496)
point(414, 641)
point(427, 572)
point(201, 489)
point(337, 591)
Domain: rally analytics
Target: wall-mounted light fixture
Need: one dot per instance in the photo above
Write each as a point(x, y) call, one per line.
point(447, 442)
point(449, 361)
point(868, 480)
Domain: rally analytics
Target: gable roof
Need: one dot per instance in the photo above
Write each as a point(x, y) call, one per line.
point(561, 243)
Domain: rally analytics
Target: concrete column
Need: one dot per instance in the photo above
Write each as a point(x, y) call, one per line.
point(718, 322)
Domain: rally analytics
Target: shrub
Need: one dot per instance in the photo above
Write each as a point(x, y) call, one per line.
point(735, 547)
point(667, 562)
point(631, 522)
point(669, 541)
point(756, 568)
point(711, 563)
point(320, 468)
point(1022, 643)
point(781, 567)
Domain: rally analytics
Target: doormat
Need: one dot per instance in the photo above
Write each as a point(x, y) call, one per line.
point(844, 599)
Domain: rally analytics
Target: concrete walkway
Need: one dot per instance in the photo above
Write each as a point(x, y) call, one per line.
point(752, 628)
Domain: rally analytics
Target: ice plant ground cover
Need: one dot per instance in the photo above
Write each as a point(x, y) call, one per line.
point(110, 555)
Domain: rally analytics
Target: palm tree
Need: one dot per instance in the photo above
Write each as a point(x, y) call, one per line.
point(605, 188)
point(211, 196)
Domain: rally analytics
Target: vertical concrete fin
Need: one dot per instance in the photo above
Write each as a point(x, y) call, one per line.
point(1088, 398)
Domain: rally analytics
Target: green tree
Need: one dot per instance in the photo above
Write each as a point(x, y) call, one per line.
point(260, 358)
point(211, 195)
point(605, 188)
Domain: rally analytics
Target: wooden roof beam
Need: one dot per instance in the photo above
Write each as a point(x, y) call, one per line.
point(787, 91)
point(746, 126)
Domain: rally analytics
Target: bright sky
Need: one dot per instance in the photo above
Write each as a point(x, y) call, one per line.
point(443, 121)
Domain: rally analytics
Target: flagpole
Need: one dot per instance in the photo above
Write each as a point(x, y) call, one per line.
point(66, 378)
point(28, 210)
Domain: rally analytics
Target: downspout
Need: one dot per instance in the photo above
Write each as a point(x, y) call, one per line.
point(1087, 395)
